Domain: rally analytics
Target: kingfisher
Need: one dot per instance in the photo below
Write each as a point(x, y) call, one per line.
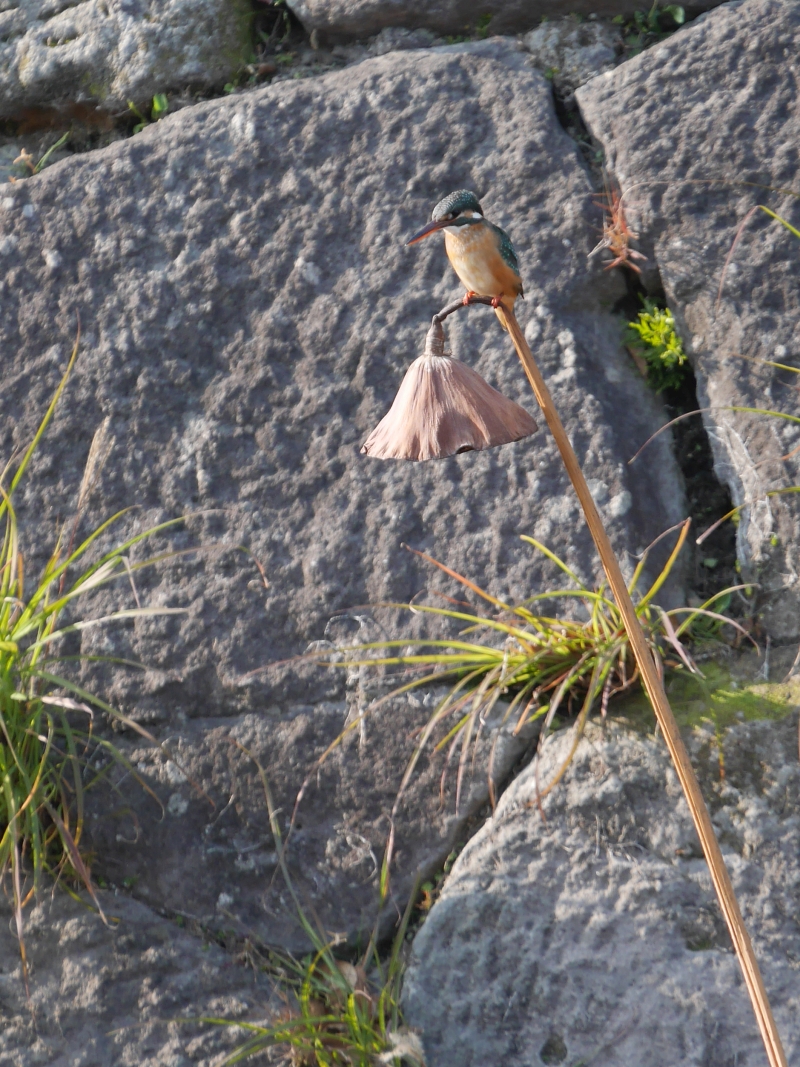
point(480, 253)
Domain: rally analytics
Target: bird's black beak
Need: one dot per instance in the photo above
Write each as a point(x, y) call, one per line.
point(432, 227)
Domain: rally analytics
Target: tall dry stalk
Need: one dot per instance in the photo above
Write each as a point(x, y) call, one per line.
point(658, 698)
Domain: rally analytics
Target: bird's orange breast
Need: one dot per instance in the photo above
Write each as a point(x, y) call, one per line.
point(476, 259)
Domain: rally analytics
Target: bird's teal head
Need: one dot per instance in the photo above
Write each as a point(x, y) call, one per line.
point(461, 208)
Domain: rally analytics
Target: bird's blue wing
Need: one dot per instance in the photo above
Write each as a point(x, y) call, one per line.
point(506, 248)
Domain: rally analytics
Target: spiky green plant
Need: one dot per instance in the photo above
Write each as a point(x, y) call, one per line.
point(540, 664)
point(652, 335)
point(45, 718)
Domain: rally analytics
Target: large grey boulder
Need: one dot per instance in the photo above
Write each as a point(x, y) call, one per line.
point(55, 54)
point(595, 936)
point(337, 20)
point(685, 127)
point(127, 993)
point(218, 865)
point(248, 310)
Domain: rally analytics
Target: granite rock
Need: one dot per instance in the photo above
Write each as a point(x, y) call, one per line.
point(685, 126)
point(340, 20)
point(596, 936)
point(122, 994)
point(248, 310)
point(217, 865)
point(56, 54)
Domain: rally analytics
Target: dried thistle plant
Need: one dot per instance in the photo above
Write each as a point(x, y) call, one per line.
point(617, 234)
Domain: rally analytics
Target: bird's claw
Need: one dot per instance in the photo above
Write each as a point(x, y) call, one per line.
point(468, 297)
point(497, 301)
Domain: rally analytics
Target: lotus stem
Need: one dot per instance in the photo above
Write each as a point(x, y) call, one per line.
point(658, 698)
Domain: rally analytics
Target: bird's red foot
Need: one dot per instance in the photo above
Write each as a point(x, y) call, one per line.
point(468, 297)
point(497, 301)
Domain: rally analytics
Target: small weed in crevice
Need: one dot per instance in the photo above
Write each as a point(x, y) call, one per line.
point(274, 24)
point(24, 160)
point(651, 337)
point(482, 27)
point(158, 109)
point(282, 47)
point(647, 28)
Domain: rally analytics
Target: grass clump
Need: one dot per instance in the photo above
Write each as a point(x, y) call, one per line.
point(653, 338)
point(46, 719)
point(335, 1014)
point(542, 665)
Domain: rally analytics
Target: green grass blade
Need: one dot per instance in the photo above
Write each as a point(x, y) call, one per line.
point(555, 559)
point(42, 425)
point(102, 620)
point(667, 568)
